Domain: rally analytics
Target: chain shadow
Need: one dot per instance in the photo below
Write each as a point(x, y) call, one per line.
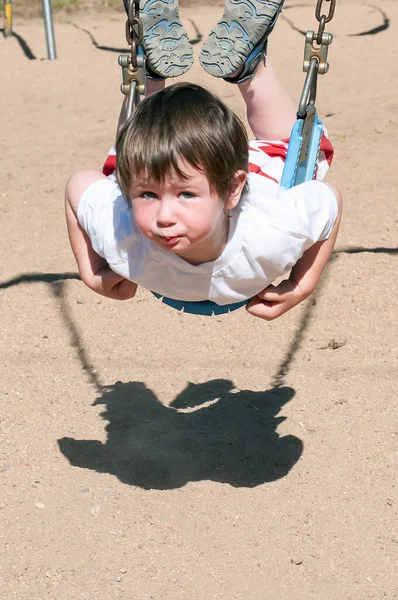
point(49, 278)
point(375, 30)
point(362, 250)
point(125, 50)
point(24, 46)
point(226, 435)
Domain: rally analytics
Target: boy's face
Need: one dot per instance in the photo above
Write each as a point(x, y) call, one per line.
point(184, 216)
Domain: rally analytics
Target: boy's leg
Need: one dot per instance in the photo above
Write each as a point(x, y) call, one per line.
point(240, 37)
point(271, 110)
point(236, 51)
point(166, 42)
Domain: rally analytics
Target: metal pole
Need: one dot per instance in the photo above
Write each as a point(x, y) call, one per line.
point(7, 31)
point(48, 23)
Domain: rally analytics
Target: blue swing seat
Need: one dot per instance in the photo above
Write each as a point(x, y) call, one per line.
point(298, 170)
point(205, 308)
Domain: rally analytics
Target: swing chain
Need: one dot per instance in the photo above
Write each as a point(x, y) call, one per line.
point(323, 19)
point(315, 57)
point(134, 30)
point(133, 65)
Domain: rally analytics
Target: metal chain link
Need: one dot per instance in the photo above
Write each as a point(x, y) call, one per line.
point(134, 30)
point(322, 18)
point(133, 65)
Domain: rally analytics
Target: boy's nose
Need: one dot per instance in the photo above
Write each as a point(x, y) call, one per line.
point(166, 215)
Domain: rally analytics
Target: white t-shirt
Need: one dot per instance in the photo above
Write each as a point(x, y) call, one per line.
point(270, 229)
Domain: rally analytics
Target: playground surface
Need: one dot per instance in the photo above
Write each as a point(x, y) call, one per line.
point(148, 454)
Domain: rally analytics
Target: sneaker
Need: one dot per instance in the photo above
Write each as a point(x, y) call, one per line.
point(166, 43)
point(239, 40)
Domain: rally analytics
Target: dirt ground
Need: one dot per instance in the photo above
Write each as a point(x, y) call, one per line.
point(148, 454)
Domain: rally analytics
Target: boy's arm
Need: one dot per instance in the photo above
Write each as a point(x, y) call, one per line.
point(94, 270)
point(274, 301)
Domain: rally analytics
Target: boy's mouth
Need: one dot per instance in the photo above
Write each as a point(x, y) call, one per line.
point(170, 241)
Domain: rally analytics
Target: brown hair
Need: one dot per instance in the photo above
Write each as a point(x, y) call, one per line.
point(182, 122)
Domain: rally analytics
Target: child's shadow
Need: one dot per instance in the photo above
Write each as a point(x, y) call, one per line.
point(231, 438)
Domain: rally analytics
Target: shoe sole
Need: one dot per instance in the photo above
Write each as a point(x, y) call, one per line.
point(166, 42)
point(243, 24)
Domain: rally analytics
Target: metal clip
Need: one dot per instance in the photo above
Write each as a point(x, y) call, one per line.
point(134, 80)
point(312, 49)
point(306, 132)
point(308, 95)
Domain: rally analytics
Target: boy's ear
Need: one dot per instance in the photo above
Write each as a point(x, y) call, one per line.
point(239, 181)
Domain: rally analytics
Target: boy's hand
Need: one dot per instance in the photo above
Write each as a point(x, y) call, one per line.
point(274, 301)
point(111, 285)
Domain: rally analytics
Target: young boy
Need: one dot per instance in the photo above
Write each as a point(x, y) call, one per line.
point(193, 212)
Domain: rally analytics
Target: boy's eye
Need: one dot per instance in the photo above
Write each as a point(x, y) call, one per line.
point(187, 195)
point(148, 195)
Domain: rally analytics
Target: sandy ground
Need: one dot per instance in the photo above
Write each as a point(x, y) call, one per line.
point(147, 454)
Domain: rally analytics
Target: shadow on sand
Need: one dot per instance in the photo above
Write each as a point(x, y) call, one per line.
point(211, 431)
point(22, 43)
